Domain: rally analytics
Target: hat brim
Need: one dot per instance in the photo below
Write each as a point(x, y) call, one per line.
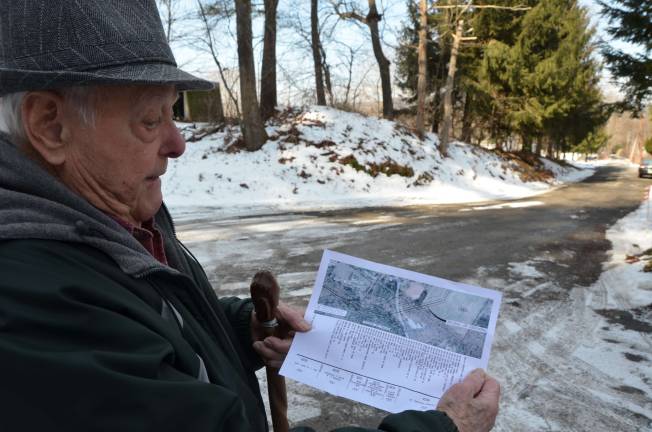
point(12, 80)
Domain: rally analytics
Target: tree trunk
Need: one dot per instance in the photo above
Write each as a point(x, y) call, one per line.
point(327, 75)
point(440, 77)
point(268, 98)
point(526, 143)
point(421, 83)
point(436, 113)
point(467, 119)
point(373, 18)
point(252, 124)
point(447, 122)
point(349, 77)
point(550, 151)
point(316, 54)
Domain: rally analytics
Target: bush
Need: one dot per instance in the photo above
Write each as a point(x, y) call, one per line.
point(648, 145)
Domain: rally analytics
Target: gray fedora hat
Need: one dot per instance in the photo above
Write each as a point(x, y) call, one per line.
point(49, 44)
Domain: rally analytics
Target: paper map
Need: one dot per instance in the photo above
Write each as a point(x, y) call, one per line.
point(390, 338)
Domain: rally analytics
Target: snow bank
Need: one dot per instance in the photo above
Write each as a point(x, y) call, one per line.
point(322, 158)
point(619, 345)
point(631, 236)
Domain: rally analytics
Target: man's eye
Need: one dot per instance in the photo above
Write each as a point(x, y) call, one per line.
point(152, 124)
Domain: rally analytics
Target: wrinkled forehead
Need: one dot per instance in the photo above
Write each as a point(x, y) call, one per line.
point(155, 92)
point(136, 96)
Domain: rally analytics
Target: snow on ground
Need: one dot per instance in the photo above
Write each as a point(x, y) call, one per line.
point(581, 163)
point(526, 269)
point(322, 158)
point(621, 345)
point(631, 237)
point(590, 346)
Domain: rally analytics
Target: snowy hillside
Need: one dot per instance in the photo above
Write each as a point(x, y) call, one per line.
point(320, 158)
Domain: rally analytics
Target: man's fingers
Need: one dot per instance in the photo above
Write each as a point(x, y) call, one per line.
point(473, 403)
point(472, 384)
point(293, 318)
point(279, 345)
point(272, 351)
point(267, 353)
point(490, 392)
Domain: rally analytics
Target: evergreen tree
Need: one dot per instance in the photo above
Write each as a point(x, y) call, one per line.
point(406, 53)
point(406, 59)
point(495, 101)
point(528, 79)
point(630, 21)
point(592, 143)
point(441, 26)
point(497, 31)
point(502, 25)
point(554, 81)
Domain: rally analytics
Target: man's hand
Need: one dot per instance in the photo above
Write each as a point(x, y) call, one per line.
point(273, 349)
point(473, 403)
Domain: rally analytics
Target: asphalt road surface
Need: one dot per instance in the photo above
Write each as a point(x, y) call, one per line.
point(561, 235)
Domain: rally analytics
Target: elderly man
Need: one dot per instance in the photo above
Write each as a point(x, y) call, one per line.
point(107, 322)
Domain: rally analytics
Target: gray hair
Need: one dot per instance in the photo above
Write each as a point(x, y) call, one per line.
point(81, 99)
point(10, 117)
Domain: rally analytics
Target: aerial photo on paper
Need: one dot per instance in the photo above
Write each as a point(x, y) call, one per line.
point(447, 319)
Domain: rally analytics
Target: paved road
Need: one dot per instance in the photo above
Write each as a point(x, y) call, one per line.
point(559, 240)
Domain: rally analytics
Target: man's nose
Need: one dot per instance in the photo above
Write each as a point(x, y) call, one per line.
point(174, 145)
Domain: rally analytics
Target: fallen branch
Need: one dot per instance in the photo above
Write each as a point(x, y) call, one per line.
point(204, 132)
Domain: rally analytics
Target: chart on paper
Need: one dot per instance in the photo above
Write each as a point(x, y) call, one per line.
point(388, 337)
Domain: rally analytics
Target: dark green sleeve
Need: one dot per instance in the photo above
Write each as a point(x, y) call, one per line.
point(79, 353)
point(418, 421)
point(238, 312)
point(406, 421)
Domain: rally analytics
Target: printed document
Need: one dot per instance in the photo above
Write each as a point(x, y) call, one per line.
point(390, 338)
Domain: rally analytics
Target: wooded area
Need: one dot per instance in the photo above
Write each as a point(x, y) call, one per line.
point(518, 75)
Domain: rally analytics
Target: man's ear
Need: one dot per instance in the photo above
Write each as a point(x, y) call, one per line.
point(43, 119)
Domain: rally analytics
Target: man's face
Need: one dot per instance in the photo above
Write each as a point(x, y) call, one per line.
point(116, 165)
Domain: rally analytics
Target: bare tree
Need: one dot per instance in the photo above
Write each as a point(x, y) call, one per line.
point(318, 38)
point(371, 20)
point(268, 96)
point(422, 53)
point(317, 52)
point(352, 54)
point(209, 15)
point(170, 16)
point(351, 60)
point(313, 39)
point(252, 125)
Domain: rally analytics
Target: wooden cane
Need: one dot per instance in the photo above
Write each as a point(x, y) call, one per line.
point(265, 294)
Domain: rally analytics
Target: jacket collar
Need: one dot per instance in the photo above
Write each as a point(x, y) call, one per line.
point(36, 205)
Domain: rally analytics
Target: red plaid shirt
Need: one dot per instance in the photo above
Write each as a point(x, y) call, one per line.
point(148, 236)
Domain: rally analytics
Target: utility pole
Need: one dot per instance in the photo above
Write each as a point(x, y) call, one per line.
point(446, 126)
point(423, 72)
point(447, 121)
